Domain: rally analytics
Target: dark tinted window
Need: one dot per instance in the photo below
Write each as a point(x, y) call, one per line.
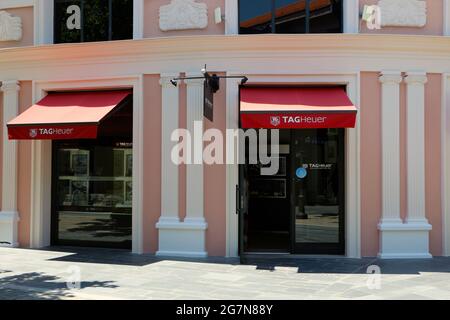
point(290, 16)
point(93, 20)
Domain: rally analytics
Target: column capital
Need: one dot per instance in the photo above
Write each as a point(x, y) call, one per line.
point(194, 82)
point(10, 85)
point(416, 78)
point(394, 77)
point(164, 81)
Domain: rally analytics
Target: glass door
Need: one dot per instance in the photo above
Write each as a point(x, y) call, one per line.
point(318, 191)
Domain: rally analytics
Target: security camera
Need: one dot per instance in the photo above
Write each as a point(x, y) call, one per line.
point(174, 82)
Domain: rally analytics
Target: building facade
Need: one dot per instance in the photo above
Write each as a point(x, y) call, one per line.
point(89, 108)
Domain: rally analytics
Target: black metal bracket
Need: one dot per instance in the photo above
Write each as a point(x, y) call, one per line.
point(212, 79)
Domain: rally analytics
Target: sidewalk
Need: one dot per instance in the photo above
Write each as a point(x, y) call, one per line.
point(115, 274)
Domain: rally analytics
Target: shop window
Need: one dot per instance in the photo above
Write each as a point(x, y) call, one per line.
point(290, 16)
point(92, 20)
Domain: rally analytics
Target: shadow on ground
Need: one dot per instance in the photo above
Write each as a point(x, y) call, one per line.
point(124, 257)
point(39, 286)
point(352, 266)
point(337, 265)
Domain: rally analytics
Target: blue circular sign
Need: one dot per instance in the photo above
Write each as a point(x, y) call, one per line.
point(301, 173)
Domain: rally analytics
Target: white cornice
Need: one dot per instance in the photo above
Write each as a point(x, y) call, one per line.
point(317, 54)
point(331, 43)
point(8, 4)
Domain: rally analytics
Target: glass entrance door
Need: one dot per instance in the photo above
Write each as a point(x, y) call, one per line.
point(317, 194)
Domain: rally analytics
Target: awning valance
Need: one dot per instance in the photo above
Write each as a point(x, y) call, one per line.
point(69, 115)
point(296, 108)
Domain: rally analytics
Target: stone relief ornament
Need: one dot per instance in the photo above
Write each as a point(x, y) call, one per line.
point(183, 15)
point(10, 27)
point(403, 13)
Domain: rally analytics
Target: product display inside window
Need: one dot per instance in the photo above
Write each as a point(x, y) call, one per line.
point(94, 193)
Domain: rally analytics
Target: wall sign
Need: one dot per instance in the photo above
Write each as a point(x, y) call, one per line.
point(208, 102)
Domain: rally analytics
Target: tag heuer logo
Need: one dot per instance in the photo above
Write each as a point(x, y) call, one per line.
point(33, 133)
point(275, 121)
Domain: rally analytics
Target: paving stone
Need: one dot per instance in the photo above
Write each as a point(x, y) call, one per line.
point(116, 274)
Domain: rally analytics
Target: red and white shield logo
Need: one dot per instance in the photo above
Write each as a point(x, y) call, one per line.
point(275, 121)
point(33, 133)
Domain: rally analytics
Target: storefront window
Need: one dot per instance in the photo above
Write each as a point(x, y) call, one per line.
point(92, 20)
point(290, 16)
point(94, 193)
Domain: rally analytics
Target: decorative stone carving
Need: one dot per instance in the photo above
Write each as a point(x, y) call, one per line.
point(183, 15)
point(10, 27)
point(403, 13)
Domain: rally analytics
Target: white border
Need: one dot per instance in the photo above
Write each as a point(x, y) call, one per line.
point(138, 19)
point(352, 218)
point(43, 22)
point(9, 4)
point(231, 17)
point(41, 159)
point(446, 21)
point(445, 158)
point(351, 16)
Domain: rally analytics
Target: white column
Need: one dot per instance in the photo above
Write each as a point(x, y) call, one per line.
point(231, 17)
point(9, 216)
point(390, 141)
point(446, 12)
point(395, 238)
point(416, 147)
point(43, 22)
point(194, 172)
point(169, 222)
point(138, 19)
point(169, 172)
point(185, 238)
point(410, 239)
point(351, 16)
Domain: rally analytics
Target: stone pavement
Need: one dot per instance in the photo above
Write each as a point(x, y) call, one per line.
point(116, 274)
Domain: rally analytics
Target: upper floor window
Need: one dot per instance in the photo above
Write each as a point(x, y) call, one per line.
point(93, 20)
point(290, 16)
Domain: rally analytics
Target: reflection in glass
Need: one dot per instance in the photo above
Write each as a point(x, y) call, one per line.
point(255, 17)
point(100, 20)
point(290, 16)
point(316, 193)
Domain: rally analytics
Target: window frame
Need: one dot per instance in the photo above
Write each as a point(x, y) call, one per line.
point(307, 17)
point(110, 22)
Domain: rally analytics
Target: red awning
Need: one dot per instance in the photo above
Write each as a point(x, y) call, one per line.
point(73, 115)
point(295, 108)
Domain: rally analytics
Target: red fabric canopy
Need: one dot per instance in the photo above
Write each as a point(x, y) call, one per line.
point(296, 108)
point(73, 115)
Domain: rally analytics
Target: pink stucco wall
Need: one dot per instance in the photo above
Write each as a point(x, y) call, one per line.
point(214, 175)
point(434, 24)
point(370, 162)
point(152, 161)
point(24, 171)
point(215, 184)
point(151, 20)
point(1, 144)
point(433, 161)
point(27, 28)
point(371, 195)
